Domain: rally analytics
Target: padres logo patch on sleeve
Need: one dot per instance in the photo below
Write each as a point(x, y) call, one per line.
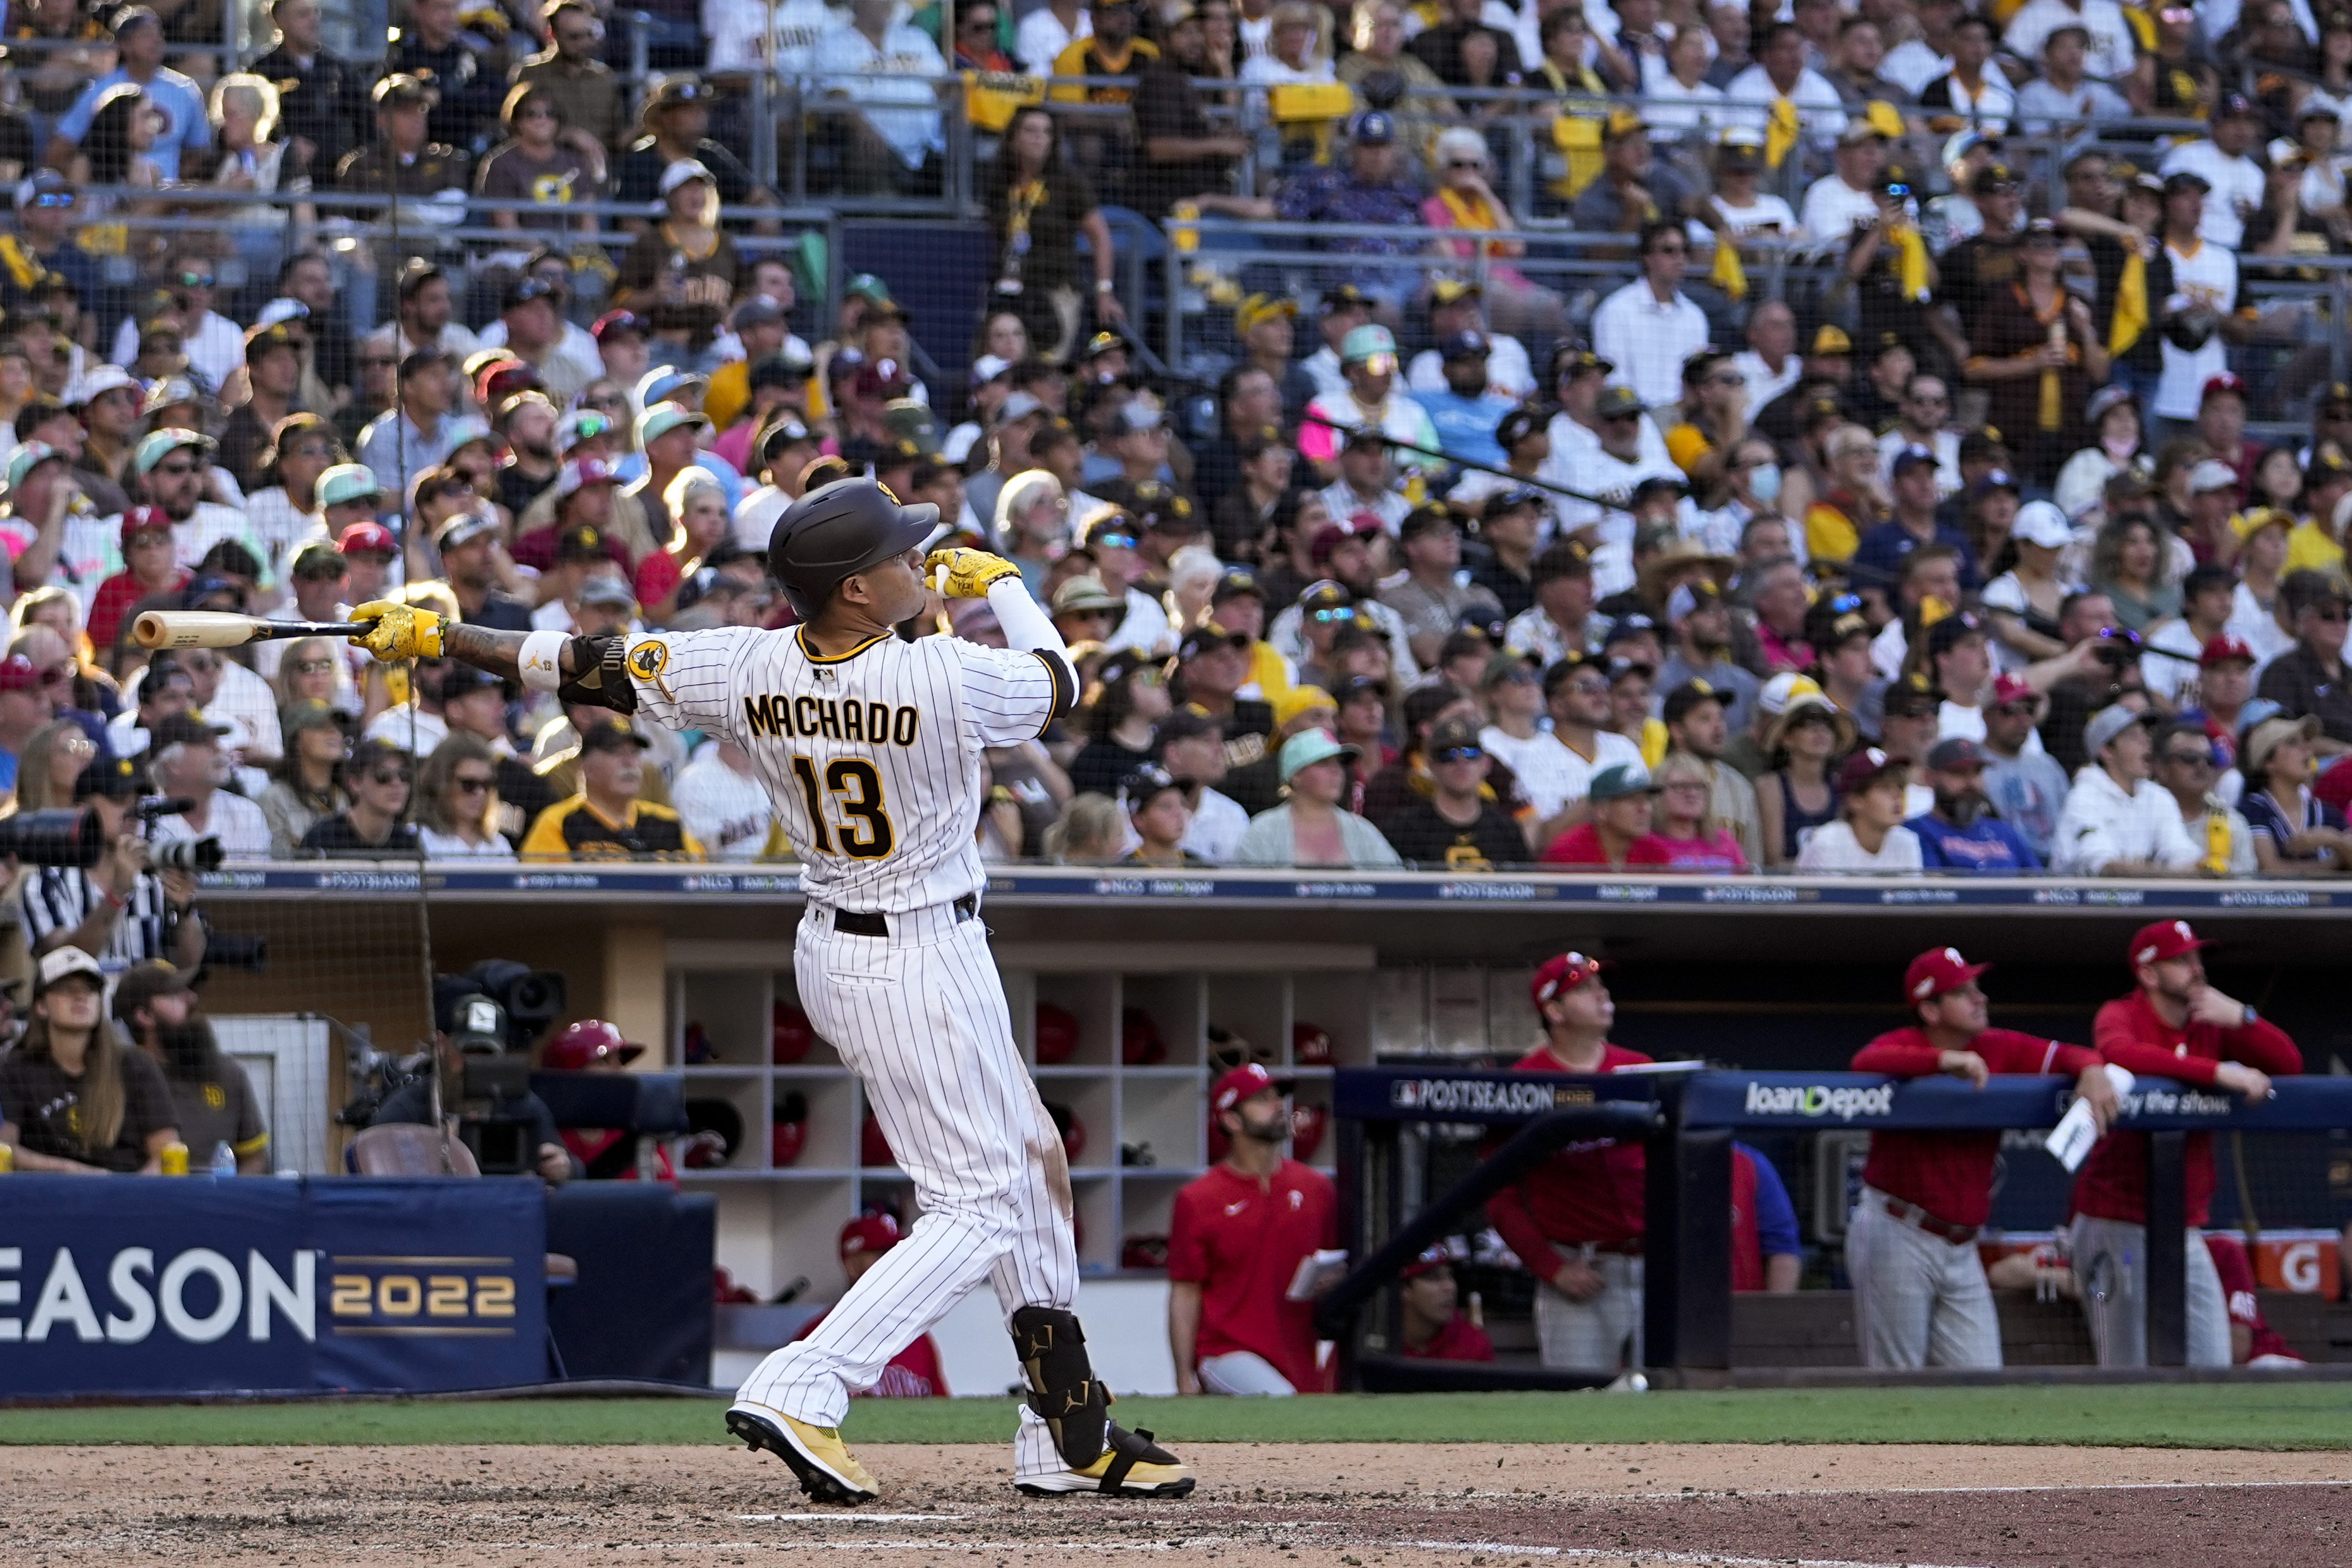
point(647, 660)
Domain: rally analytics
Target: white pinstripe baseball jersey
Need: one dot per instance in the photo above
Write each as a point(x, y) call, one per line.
point(872, 757)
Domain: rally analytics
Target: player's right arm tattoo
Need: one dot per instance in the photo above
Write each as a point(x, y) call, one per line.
point(501, 652)
point(591, 666)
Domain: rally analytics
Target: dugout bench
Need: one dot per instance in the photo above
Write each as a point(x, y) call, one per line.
point(1688, 1118)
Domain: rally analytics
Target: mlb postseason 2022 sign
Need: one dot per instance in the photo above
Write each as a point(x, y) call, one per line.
point(158, 1285)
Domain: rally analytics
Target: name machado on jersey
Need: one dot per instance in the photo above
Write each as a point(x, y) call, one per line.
point(871, 758)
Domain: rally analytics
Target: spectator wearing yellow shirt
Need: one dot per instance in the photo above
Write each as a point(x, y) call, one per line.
point(1114, 50)
point(2316, 543)
point(759, 322)
point(606, 818)
point(1714, 416)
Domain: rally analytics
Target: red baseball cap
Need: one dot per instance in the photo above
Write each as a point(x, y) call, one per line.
point(19, 673)
point(2013, 688)
point(2162, 939)
point(1562, 973)
point(869, 1233)
point(1864, 767)
point(1437, 1256)
point(368, 538)
point(1238, 1085)
point(144, 519)
point(1937, 971)
point(2221, 650)
point(2224, 382)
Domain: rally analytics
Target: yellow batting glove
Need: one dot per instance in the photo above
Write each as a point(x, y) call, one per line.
point(401, 630)
point(966, 573)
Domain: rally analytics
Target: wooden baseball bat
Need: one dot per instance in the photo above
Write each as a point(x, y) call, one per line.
point(219, 629)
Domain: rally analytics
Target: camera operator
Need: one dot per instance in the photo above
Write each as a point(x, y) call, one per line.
point(121, 909)
point(189, 765)
point(213, 1100)
point(475, 1026)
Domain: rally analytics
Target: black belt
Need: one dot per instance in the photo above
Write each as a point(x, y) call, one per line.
point(849, 922)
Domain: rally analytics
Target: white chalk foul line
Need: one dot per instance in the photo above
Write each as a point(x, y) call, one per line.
point(1931, 1491)
point(1648, 1554)
point(842, 1518)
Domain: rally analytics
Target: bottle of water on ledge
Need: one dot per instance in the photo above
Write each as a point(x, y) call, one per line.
point(223, 1161)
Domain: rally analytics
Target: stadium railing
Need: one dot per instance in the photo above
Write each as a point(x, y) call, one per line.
point(1689, 1119)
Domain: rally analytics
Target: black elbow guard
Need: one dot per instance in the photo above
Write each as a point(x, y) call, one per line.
point(604, 678)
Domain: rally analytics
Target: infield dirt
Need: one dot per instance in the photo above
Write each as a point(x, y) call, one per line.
point(1317, 1505)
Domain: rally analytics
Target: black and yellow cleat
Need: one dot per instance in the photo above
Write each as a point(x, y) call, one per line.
point(826, 1469)
point(1131, 1465)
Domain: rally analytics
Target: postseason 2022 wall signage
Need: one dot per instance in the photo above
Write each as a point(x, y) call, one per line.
point(169, 1285)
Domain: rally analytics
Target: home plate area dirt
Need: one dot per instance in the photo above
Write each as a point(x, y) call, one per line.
point(1317, 1505)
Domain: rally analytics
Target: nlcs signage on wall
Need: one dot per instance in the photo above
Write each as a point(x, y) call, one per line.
point(156, 1285)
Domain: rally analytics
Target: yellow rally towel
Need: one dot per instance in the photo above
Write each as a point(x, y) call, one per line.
point(1910, 260)
point(1728, 273)
point(1579, 138)
point(2131, 306)
point(1779, 132)
point(2217, 843)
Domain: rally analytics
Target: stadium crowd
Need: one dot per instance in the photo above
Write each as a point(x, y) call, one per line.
point(1963, 563)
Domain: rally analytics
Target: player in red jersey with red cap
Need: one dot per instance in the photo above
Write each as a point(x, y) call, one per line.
point(1431, 1326)
point(914, 1373)
point(2177, 1026)
point(1235, 1239)
point(1919, 1291)
point(1575, 1220)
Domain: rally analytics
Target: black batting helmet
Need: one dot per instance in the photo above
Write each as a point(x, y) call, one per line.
point(837, 530)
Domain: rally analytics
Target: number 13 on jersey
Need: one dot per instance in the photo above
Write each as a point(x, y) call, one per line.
point(864, 832)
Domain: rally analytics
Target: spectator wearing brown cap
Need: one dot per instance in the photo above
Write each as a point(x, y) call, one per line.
point(1961, 834)
point(1429, 596)
point(2187, 767)
point(1869, 835)
point(187, 764)
point(1460, 823)
point(212, 1102)
point(606, 817)
point(2309, 678)
point(1562, 621)
point(1697, 719)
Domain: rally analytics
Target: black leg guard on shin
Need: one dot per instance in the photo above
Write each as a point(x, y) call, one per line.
point(1062, 1386)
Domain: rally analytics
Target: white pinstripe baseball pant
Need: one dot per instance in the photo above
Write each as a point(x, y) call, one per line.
point(920, 1016)
point(1919, 1299)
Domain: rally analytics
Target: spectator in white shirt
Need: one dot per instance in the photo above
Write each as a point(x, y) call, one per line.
point(2235, 182)
point(1912, 64)
point(2110, 47)
point(1769, 361)
point(891, 67)
point(1869, 835)
point(2118, 822)
point(189, 765)
point(1046, 32)
point(1648, 329)
point(2063, 99)
point(720, 799)
point(1973, 92)
point(1781, 72)
point(1848, 195)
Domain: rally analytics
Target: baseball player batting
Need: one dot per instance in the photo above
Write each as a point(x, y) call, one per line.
point(869, 749)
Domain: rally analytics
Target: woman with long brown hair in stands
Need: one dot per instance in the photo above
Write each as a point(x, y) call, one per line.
point(75, 1100)
point(458, 802)
point(52, 759)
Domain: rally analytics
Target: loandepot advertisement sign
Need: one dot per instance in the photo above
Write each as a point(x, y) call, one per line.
point(1822, 1101)
point(160, 1285)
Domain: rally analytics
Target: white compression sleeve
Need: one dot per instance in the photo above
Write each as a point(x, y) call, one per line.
point(1026, 628)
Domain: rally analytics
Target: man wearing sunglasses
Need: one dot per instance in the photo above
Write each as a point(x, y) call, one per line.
point(2188, 766)
point(42, 242)
point(2309, 678)
point(1459, 825)
point(213, 344)
point(172, 464)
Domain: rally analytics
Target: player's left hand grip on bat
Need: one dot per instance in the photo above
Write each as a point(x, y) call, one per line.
point(402, 631)
point(968, 573)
